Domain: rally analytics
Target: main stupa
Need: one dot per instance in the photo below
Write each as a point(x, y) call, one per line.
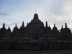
point(36, 24)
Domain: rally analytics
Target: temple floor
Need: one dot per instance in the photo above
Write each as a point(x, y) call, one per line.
point(36, 52)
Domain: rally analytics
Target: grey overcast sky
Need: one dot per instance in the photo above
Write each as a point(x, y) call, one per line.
point(53, 11)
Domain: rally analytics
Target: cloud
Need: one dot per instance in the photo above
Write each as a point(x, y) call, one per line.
point(3, 14)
